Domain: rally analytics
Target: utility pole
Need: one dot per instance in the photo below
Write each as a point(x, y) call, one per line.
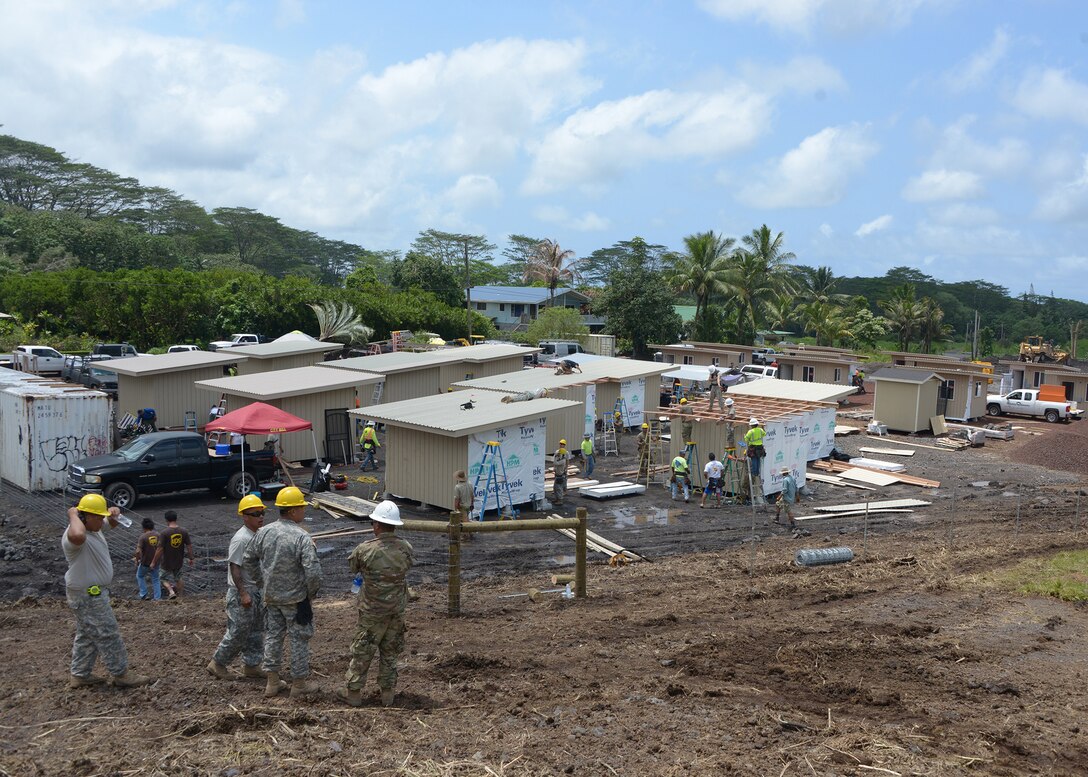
point(468, 296)
point(974, 341)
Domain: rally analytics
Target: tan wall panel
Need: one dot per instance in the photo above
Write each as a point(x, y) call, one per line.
point(412, 384)
point(171, 394)
point(420, 465)
point(253, 366)
point(897, 405)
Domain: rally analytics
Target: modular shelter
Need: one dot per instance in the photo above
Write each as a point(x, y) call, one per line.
point(282, 355)
point(816, 367)
point(410, 374)
point(430, 438)
point(47, 426)
point(322, 397)
point(905, 398)
point(722, 355)
point(1033, 375)
point(167, 381)
point(798, 432)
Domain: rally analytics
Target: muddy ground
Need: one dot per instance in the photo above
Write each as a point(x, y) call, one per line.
point(720, 656)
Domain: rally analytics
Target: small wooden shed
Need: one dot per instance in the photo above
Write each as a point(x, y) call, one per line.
point(166, 382)
point(429, 438)
point(816, 367)
point(412, 374)
point(322, 397)
point(282, 355)
point(905, 398)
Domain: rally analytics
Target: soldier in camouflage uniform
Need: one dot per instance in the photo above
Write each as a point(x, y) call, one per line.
point(282, 560)
point(88, 580)
point(383, 562)
point(245, 613)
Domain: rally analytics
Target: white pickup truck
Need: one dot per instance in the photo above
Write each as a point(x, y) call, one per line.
point(1027, 402)
point(234, 342)
point(39, 359)
point(758, 371)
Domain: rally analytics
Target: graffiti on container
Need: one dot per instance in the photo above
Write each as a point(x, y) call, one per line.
point(59, 452)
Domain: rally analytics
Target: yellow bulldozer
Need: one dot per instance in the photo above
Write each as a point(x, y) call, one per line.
point(1036, 349)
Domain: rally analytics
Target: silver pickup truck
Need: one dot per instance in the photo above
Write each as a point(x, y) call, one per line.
point(1027, 402)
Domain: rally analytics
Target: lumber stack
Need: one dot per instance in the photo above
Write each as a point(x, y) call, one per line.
point(599, 544)
point(838, 467)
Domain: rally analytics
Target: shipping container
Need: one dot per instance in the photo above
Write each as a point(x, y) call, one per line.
point(46, 427)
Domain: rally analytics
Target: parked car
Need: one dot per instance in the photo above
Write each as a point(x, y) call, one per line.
point(38, 359)
point(164, 462)
point(181, 348)
point(115, 350)
point(70, 372)
point(235, 340)
point(102, 380)
point(557, 349)
point(1048, 402)
point(84, 375)
point(758, 371)
point(764, 355)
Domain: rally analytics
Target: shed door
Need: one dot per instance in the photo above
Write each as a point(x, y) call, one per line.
point(338, 441)
point(1068, 389)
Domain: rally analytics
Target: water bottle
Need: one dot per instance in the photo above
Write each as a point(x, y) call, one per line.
point(123, 520)
point(357, 584)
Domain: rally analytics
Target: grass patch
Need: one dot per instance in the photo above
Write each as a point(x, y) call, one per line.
point(1064, 576)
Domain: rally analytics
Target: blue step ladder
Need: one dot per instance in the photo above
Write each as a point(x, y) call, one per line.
point(493, 471)
point(695, 471)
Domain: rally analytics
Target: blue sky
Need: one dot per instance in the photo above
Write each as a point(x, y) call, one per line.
point(948, 135)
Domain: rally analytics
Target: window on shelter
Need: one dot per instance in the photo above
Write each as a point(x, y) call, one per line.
point(947, 389)
point(808, 374)
point(689, 360)
point(838, 374)
point(481, 306)
point(1037, 379)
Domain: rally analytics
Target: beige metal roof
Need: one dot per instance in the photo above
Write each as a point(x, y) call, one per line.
point(170, 362)
point(820, 357)
point(442, 413)
point(288, 383)
point(285, 348)
point(601, 370)
point(404, 361)
point(775, 388)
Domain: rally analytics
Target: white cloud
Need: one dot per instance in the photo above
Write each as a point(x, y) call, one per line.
point(973, 72)
point(815, 173)
point(876, 225)
point(958, 149)
point(826, 230)
point(800, 16)
point(1067, 201)
point(962, 214)
point(599, 144)
point(1053, 94)
point(473, 191)
point(943, 185)
point(557, 214)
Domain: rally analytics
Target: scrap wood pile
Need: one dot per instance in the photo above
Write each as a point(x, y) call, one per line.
point(870, 475)
point(617, 554)
point(342, 506)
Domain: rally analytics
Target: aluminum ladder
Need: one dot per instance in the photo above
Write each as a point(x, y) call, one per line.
point(493, 471)
point(608, 438)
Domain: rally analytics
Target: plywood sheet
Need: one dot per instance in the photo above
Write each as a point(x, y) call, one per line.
point(887, 466)
point(937, 425)
point(888, 451)
point(870, 477)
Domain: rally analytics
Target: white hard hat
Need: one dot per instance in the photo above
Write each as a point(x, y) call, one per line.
point(729, 402)
point(753, 422)
point(370, 423)
point(388, 513)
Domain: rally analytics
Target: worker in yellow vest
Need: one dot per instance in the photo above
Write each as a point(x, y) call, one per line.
point(369, 440)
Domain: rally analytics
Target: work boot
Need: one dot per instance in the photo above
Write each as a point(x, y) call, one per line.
point(252, 671)
point(273, 685)
point(75, 681)
point(303, 688)
point(218, 670)
point(353, 697)
point(387, 697)
point(129, 680)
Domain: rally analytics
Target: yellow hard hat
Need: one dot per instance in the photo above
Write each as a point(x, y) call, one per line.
point(645, 426)
point(249, 501)
point(562, 442)
point(290, 497)
point(683, 401)
point(93, 503)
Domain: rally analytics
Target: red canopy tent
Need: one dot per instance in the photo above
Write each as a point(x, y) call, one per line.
point(260, 418)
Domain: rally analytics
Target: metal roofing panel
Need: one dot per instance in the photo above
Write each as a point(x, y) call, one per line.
point(604, 369)
point(532, 295)
point(170, 362)
point(288, 383)
point(905, 374)
point(284, 348)
point(443, 413)
point(403, 361)
point(775, 388)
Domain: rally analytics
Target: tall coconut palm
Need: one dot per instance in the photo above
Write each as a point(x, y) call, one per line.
point(931, 326)
point(553, 265)
point(702, 270)
point(338, 322)
point(757, 273)
point(903, 312)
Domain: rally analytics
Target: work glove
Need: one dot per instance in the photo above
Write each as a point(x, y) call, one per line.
point(304, 613)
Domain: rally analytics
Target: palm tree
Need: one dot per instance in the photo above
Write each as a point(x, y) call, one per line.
point(758, 273)
point(552, 265)
point(903, 312)
point(702, 270)
point(819, 285)
point(931, 323)
point(338, 322)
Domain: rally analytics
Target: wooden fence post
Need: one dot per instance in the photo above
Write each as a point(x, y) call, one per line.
point(580, 554)
point(455, 563)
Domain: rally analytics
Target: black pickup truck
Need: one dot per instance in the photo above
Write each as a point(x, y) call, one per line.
point(162, 462)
